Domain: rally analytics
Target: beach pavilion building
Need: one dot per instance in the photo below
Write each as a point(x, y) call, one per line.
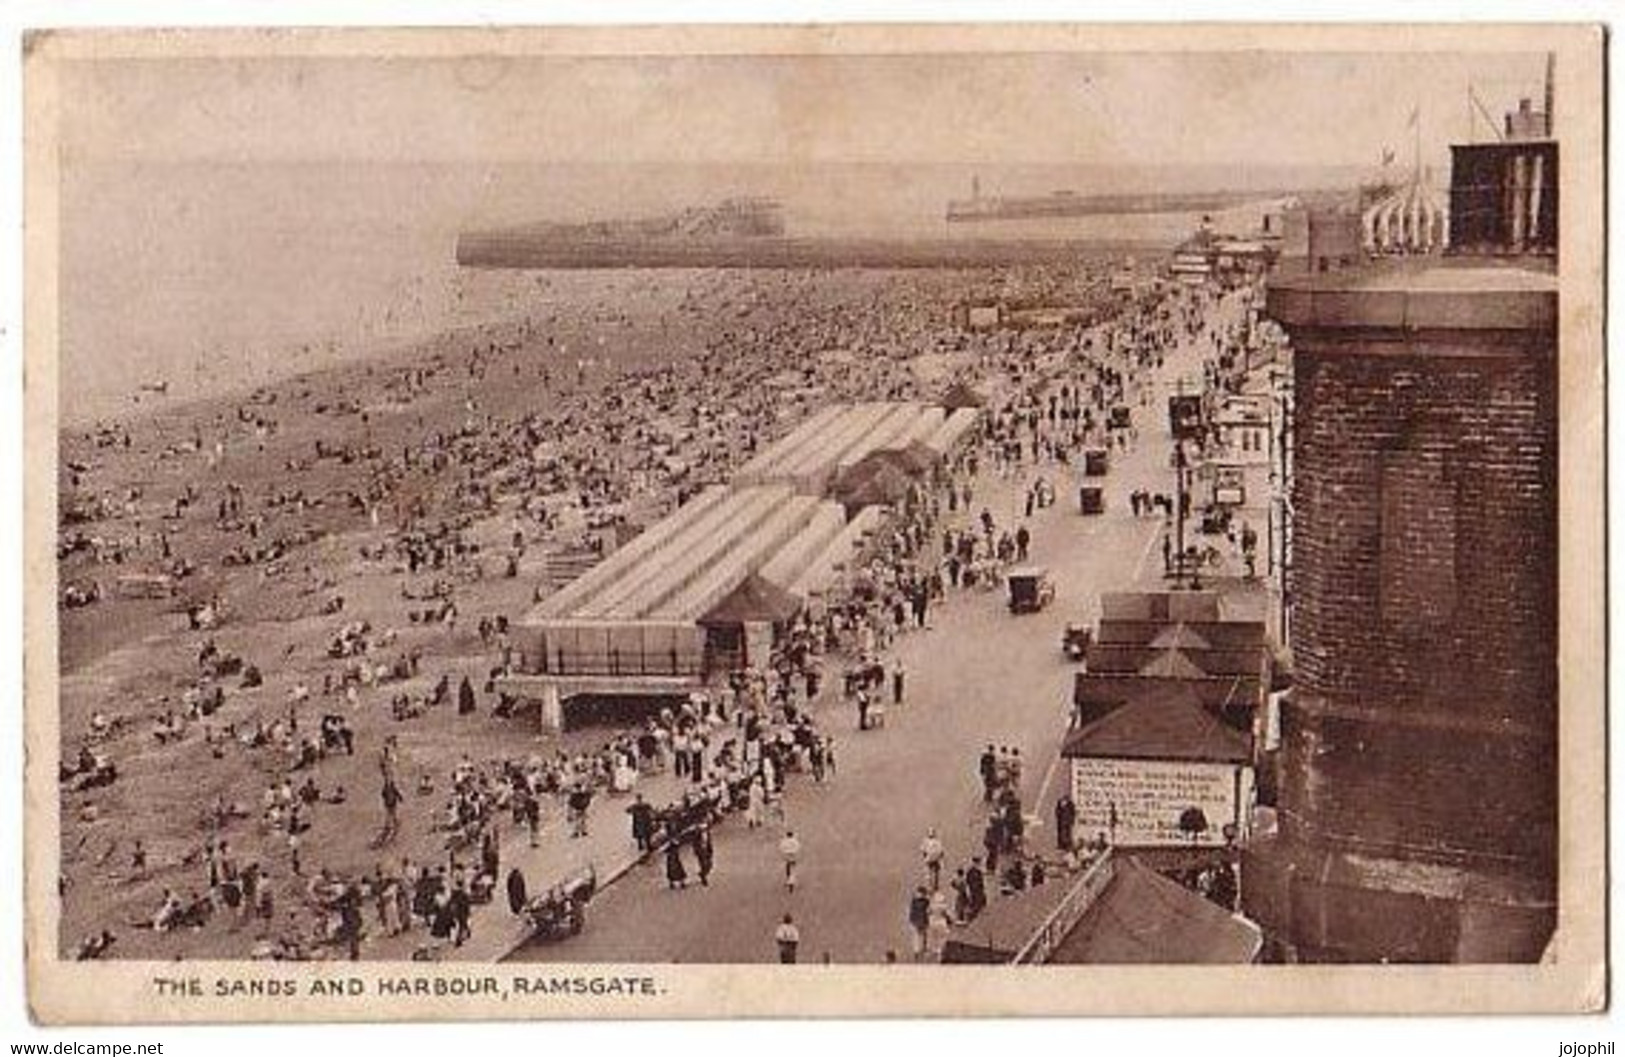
point(702, 592)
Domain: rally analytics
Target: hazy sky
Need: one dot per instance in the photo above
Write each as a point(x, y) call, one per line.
point(1188, 109)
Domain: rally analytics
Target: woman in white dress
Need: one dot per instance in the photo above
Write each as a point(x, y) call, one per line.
point(756, 803)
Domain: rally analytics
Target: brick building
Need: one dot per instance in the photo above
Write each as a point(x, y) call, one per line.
point(1417, 811)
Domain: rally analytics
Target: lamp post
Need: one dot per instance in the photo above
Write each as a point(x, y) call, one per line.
point(1180, 469)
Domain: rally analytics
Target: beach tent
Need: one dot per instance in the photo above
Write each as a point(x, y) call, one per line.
point(1159, 724)
point(1180, 636)
point(755, 600)
point(1172, 664)
point(916, 458)
point(1147, 919)
point(960, 395)
point(873, 482)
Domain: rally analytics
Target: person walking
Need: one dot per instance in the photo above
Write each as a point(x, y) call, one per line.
point(988, 768)
point(790, 852)
point(643, 822)
point(788, 937)
point(696, 758)
point(350, 926)
point(491, 852)
point(898, 673)
point(755, 803)
point(532, 808)
point(975, 889)
point(680, 757)
point(391, 796)
point(704, 854)
point(460, 907)
point(961, 904)
point(993, 841)
point(919, 919)
point(676, 872)
point(579, 800)
point(931, 851)
point(1066, 821)
point(517, 893)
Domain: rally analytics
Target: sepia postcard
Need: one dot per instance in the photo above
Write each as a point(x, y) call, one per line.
point(828, 520)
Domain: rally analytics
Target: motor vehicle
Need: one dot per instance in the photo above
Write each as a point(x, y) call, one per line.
point(1076, 640)
point(1030, 588)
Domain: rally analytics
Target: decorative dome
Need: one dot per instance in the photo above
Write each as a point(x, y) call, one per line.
point(1412, 218)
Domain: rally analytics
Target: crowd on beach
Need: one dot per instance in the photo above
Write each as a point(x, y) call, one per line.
point(332, 566)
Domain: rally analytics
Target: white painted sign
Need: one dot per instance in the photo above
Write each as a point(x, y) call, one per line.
point(1148, 798)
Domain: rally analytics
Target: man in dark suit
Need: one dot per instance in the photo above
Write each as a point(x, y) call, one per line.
point(643, 822)
point(1066, 820)
point(517, 894)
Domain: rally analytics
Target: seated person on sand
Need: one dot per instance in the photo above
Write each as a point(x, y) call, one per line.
point(169, 728)
point(224, 811)
point(85, 763)
point(195, 911)
point(101, 772)
point(168, 914)
point(94, 946)
point(309, 754)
